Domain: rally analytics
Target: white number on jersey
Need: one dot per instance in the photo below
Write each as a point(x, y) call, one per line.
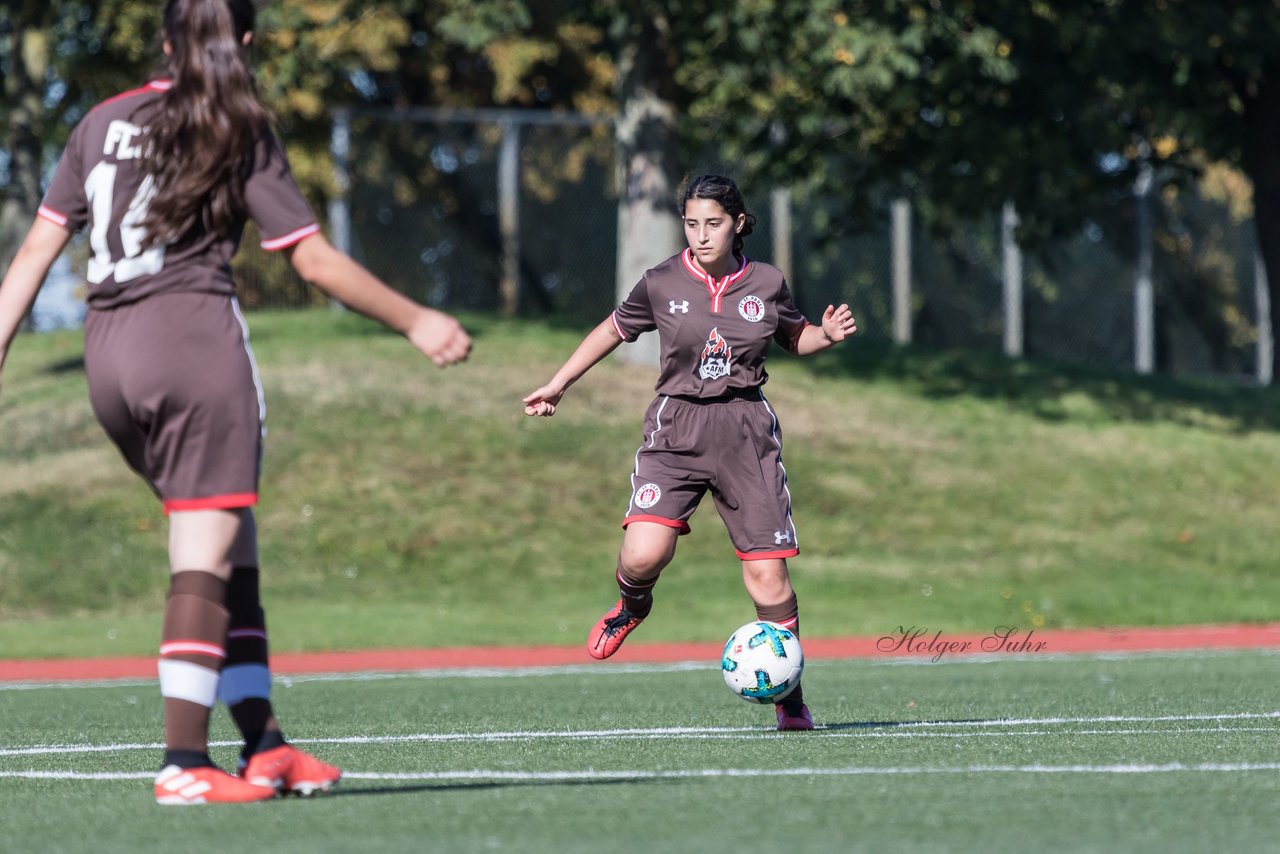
point(100, 190)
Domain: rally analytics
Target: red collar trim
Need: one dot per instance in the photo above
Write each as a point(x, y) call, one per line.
point(716, 288)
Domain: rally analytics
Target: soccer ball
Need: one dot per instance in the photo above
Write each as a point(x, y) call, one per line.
point(762, 662)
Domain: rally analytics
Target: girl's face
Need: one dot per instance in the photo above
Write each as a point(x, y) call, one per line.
point(710, 232)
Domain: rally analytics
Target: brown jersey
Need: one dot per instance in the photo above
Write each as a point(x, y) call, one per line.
point(714, 333)
point(102, 182)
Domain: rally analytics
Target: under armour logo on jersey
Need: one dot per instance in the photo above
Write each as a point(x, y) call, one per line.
point(780, 537)
point(682, 306)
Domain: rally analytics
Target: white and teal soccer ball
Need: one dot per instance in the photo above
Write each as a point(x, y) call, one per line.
point(762, 662)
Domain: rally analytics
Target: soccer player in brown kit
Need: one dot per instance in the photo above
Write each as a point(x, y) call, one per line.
point(164, 177)
point(710, 427)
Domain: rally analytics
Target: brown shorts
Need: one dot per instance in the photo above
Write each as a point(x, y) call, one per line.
point(730, 447)
point(173, 382)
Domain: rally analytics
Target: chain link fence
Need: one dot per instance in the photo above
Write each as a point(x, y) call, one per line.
point(517, 212)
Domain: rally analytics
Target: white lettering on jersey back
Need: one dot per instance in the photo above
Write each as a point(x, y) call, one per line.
point(120, 140)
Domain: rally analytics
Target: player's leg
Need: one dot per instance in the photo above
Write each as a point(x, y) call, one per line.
point(647, 548)
point(769, 584)
point(266, 759)
point(192, 651)
point(666, 486)
point(755, 503)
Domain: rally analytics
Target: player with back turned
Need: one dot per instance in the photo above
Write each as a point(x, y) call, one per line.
point(164, 178)
point(710, 429)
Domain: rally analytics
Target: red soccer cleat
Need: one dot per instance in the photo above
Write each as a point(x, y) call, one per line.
point(801, 720)
point(289, 770)
point(608, 634)
point(206, 785)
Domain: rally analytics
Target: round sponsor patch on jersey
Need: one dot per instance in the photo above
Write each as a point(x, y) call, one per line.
point(648, 495)
point(751, 308)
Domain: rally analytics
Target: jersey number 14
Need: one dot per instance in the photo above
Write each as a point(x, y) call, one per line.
point(100, 189)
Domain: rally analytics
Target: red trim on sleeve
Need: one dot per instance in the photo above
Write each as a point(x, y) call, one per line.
point(613, 318)
point(767, 555)
point(290, 239)
point(52, 215)
point(682, 527)
point(231, 501)
point(795, 339)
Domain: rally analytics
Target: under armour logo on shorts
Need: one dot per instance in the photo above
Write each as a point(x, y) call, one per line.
point(682, 306)
point(780, 537)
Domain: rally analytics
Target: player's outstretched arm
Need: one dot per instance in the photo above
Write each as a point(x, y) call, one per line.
point(599, 343)
point(438, 335)
point(837, 325)
point(41, 247)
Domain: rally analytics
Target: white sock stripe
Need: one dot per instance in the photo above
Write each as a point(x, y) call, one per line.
point(242, 682)
point(182, 680)
point(237, 634)
point(190, 647)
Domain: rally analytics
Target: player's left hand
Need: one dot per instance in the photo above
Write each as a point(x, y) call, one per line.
point(838, 323)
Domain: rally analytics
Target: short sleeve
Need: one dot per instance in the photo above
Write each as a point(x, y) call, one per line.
point(635, 315)
point(66, 203)
point(273, 199)
point(790, 321)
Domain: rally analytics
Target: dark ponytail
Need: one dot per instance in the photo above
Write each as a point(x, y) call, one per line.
point(720, 189)
point(201, 142)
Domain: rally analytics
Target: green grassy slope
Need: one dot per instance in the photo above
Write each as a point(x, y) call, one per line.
point(403, 505)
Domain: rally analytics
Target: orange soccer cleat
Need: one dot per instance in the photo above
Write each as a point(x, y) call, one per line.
point(608, 634)
point(289, 770)
point(206, 785)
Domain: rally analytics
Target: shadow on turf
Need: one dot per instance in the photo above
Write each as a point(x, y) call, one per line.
point(416, 788)
point(892, 724)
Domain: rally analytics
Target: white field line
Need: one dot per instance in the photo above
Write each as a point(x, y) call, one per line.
point(1004, 728)
point(592, 774)
point(671, 667)
point(379, 675)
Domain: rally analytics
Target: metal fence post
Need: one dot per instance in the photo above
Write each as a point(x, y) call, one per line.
point(1144, 339)
point(1012, 255)
point(901, 271)
point(509, 217)
point(340, 201)
point(1262, 303)
point(780, 213)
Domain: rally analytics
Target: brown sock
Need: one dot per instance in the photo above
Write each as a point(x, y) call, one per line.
point(787, 615)
point(637, 596)
point(192, 650)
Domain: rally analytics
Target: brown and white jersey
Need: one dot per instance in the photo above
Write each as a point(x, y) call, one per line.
point(102, 182)
point(714, 333)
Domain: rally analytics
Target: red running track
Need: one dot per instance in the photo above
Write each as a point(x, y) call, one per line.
point(908, 643)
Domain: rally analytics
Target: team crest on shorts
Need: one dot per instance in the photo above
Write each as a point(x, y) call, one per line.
point(751, 308)
point(648, 495)
point(714, 364)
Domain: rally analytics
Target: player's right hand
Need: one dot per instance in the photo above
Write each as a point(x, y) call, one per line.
point(543, 401)
point(440, 338)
